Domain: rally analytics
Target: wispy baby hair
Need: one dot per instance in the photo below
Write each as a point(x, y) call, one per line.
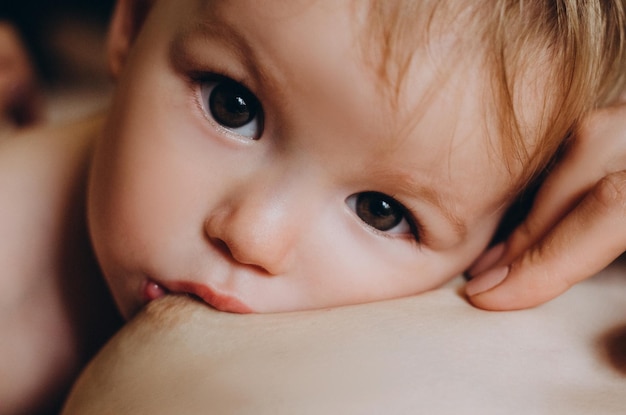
point(578, 45)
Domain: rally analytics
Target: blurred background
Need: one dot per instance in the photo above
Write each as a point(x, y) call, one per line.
point(65, 41)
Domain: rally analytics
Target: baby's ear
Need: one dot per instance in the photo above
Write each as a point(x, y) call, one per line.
point(126, 22)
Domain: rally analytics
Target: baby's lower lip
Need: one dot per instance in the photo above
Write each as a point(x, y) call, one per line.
point(153, 290)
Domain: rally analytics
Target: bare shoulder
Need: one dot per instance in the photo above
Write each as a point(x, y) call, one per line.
point(39, 171)
point(42, 172)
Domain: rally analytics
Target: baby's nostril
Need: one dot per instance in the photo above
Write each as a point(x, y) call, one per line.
point(221, 246)
point(237, 254)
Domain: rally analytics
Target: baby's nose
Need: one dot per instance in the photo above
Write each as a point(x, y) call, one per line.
point(256, 229)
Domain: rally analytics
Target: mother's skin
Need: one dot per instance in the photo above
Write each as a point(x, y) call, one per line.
point(430, 354)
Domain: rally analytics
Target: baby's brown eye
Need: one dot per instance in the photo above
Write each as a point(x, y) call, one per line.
point(233, 107)
point(381, 212)
point(378, 211)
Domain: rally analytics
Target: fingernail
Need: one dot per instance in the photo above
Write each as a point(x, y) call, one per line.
point(486, 281)
point(487, 260)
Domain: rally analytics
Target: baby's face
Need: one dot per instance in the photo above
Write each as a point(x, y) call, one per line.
point(253, 158)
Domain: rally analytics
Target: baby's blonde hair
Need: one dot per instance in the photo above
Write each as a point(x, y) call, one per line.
point(580, 43)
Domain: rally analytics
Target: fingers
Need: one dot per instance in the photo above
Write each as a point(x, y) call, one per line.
point(580, 245)
point(562, 190)
point(577, 224)
point(599, 149)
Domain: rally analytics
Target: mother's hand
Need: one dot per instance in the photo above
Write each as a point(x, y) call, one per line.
point(576, 227)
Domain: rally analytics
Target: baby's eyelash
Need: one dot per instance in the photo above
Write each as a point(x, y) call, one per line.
point(198, 77)
point(414, 226)
point(418, 231)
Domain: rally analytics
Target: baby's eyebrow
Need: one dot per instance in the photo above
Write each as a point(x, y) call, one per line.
point(205, 29)
point(209, 26)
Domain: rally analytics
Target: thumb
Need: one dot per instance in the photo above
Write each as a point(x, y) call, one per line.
point(586, 240)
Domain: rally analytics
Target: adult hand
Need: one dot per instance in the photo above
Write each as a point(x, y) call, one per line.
point(576, 227)
point(20, 102)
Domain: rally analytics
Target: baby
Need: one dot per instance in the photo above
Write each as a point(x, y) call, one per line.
point(278, 156)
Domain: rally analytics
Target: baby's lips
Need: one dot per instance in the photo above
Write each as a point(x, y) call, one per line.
point(153, 290)
point(213, 297)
